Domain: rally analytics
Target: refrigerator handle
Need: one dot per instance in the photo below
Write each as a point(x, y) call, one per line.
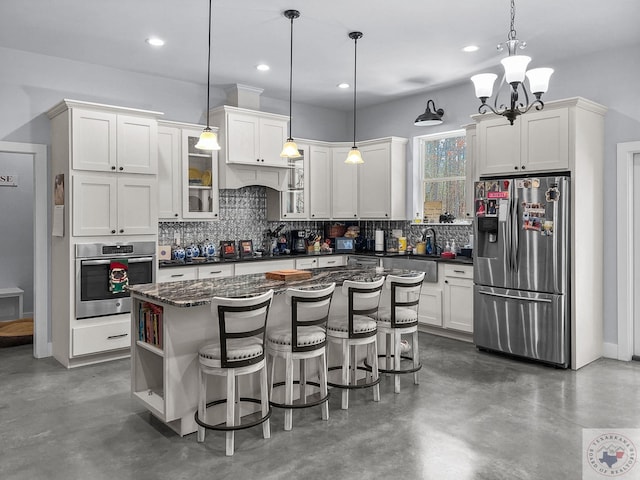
point(508, 235)
point(514, 231)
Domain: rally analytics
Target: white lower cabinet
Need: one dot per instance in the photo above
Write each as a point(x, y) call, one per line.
point(262, 266)
point(103, 337)
point(457, 311)
point(448, 304)
point(430, 308)
point(215, 270)
point(176, 274)
point(308, 262)
point(332, 261)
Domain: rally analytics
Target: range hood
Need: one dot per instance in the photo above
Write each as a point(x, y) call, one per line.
point(241, 124)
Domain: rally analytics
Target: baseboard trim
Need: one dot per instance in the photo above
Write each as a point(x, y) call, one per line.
point(610, 350)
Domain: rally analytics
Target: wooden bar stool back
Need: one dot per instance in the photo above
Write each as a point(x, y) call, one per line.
point(304, 338)
point(399, 316)
point(240, 350)
point(355, 327)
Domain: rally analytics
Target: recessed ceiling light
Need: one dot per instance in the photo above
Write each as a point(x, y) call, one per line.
point(263, 67)
point(343, 85)
point(471, 48)
point(155, 41)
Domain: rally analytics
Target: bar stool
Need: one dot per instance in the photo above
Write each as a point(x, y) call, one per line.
point(354, 329)
point(397, 318)
point(305, 338)
point(239, 351)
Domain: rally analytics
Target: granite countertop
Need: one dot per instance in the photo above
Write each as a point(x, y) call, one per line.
point(210, 260)
point(191, 293)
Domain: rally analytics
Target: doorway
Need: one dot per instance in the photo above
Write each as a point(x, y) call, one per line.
point(37, 154)
point(628, 241)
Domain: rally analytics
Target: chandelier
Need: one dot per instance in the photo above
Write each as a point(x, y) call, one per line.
point(515, 70)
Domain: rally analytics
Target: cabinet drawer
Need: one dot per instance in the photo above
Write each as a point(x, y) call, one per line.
point(306, 263)
point(214, 271)
point(458, 271)
point(333, 261)
point(100, 338)
point(175, 274)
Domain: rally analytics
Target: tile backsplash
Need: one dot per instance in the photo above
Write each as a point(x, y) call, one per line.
point(243, 214)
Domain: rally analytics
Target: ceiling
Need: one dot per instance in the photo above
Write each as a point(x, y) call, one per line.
point(409, 47)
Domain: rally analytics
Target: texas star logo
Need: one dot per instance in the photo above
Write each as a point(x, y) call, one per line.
point(611, 454)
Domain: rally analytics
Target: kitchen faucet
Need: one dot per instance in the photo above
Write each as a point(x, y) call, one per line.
point(435, 242)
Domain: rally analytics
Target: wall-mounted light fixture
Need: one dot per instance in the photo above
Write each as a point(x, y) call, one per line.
point(431, 116)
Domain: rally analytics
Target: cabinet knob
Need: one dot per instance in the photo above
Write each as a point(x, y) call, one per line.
point(175, 214)
point(523, 167)
point(515, 168)
point(313, 214)
point(446, 281)
point(113, 167)
point(262, 159)
point(113, 231)
point(121, 231)
point(215, 214)
point(284, 215)
point(257, 159)
point(121, 168)
point(355, 214)
point(386, 214)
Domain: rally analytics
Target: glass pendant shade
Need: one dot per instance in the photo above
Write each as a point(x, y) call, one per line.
point(208, 140)
point(539, 79)
point(290, 149)
point(354, 157)
point(515, 67)
point(483, 83)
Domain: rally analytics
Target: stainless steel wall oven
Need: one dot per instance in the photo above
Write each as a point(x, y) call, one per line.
point(104, 270)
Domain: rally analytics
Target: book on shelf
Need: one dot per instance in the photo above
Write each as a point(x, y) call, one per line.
point(150, 324)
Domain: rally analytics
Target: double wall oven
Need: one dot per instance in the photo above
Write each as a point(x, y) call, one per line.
point(103, 272)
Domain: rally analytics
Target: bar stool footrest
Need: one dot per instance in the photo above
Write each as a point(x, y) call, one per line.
point(242, 426)
point(356, 386)
point(395, 372)
point(300, 405)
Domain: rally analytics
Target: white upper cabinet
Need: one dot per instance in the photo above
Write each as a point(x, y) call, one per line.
point(169, 173)
point(249, 137)
point(111, 205)
point(344, 185)
point(320, 182)
point(382, 179)
point(538, 141)
point(111, 142)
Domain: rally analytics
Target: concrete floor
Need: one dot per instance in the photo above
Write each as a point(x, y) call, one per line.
point(474, 416)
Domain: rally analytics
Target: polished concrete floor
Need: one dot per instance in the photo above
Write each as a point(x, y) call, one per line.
point(473, 416)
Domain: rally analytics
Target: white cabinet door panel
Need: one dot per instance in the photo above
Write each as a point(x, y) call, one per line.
point(137, 144)
point(137, 206)
point(94, 204)
point(93, 140)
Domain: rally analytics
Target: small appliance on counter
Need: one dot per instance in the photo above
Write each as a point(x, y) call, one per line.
point(298, 241)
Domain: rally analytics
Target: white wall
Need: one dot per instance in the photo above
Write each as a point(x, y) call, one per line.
point(16, 231)
point(609, 78)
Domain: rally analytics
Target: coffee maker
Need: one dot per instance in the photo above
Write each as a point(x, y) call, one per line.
point(298, 241)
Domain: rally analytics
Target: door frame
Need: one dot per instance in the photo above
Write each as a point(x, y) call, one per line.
point(625, 239)
point(41, 247)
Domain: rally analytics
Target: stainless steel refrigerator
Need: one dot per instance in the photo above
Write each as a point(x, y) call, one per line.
point(521, 267)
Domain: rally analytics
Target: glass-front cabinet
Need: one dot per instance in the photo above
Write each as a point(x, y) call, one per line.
point(200, 179)
point(294, 201)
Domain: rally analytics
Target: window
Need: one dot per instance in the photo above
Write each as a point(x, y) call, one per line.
point(443, 166)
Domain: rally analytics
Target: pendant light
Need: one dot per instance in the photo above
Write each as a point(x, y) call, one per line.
point(208, 139)
point(354, 156)
point(515, 70)
point(290, 149)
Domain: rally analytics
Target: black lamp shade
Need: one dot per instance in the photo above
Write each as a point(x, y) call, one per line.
point(431, 116)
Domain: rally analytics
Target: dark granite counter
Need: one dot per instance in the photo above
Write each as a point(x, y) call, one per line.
point(192, 293)
point(202, 261)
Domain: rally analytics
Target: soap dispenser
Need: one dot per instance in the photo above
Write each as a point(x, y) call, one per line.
point(447, 247)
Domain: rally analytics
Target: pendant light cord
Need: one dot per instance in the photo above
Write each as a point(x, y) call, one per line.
point(290, 75)
point(209, 65)
point(355, 84)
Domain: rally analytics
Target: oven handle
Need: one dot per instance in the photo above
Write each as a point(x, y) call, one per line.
point(107, 262)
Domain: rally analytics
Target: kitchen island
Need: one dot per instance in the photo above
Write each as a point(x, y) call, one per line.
point(171, 321)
